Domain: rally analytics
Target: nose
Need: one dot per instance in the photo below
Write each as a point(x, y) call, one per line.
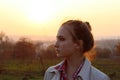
point(56, 44)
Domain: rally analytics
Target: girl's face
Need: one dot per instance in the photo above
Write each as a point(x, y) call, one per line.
point(65, 46)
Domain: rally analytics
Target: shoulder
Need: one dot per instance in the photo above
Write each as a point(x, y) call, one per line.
point(51, 71)
point(98, 75)
point(53, 68)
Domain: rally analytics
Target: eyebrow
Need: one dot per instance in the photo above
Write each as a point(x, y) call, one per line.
point(59, 36)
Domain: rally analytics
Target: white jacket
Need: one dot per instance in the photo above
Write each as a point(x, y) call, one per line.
point(88, 72)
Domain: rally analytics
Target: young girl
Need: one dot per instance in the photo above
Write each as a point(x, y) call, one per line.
point(74, 39)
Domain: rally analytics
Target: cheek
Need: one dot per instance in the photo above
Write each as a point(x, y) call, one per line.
point(67, 47)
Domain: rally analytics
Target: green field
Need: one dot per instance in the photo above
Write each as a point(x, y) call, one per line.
point(22, 71)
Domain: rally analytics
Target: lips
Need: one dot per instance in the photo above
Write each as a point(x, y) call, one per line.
point(57, 50)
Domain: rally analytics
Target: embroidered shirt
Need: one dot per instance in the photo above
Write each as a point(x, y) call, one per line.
point(88, 72)
point(63, 76)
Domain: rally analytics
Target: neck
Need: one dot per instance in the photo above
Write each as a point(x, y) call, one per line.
point(74, 62)
point(72, 65)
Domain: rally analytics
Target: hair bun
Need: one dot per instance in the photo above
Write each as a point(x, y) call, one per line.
point(88, 26)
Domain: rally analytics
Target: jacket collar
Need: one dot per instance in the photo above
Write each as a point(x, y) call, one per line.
point(54, 70)
point(84, 73)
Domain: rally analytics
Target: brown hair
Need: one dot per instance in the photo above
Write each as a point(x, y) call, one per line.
point(81, 31)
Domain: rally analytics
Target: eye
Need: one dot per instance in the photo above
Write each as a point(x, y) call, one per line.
point(62, 39)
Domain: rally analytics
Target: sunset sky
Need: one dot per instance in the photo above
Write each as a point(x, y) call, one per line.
point(42, 18)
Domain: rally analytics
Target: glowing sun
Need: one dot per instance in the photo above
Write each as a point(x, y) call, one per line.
point(39, 11)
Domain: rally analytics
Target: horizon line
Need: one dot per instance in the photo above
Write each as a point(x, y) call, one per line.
point(53, 38)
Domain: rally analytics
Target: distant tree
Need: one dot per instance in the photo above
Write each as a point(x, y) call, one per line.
point(102, 52)
point(50, 52)
point(6, 47)
point(39, 52)
point(24, 50)
point(117, 49)
point(2, 35)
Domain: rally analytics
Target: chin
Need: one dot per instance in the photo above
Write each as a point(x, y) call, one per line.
point(59, 55)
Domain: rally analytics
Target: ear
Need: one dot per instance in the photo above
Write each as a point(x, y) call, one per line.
point(79, 44)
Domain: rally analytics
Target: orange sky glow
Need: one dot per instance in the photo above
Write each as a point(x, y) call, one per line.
point(42, 18)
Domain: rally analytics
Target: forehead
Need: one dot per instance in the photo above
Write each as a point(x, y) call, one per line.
point(64, 32)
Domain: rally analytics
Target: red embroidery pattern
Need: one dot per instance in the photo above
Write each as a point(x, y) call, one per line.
point(61, 69)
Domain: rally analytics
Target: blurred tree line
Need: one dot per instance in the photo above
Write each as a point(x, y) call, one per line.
point(26, 50)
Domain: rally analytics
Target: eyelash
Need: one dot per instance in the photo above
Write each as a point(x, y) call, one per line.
point(61, 39)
